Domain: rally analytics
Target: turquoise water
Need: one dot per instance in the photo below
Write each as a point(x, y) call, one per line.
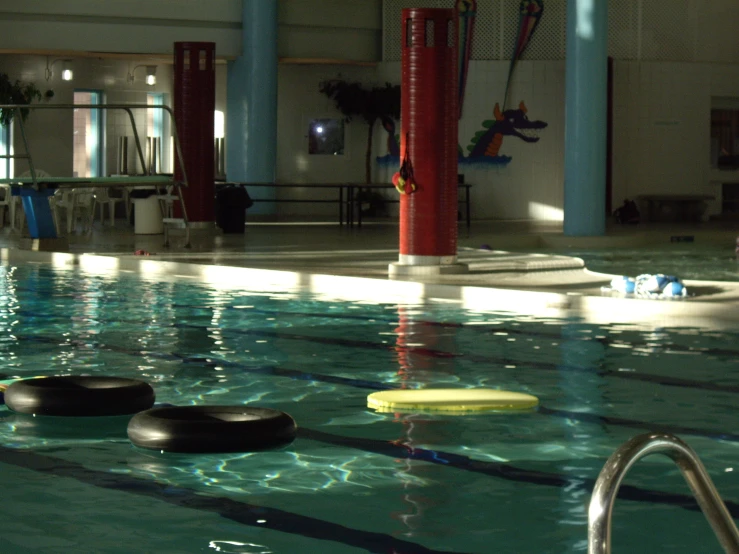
point(353, 480)
point(685, 260)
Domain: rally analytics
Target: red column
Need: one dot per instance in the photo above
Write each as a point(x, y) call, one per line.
point(429, 115)
point(194, 109)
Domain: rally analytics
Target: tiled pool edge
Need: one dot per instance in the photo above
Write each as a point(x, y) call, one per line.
point(594, 309)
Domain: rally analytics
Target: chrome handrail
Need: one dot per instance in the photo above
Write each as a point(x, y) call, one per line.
point(609, 480)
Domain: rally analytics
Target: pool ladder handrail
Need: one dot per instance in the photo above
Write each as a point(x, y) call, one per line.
point(694, 472)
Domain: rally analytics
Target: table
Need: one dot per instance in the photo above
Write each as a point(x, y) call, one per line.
point(347, 197)
point(353, 201)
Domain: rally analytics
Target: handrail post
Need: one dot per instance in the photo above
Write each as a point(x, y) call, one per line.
point(31, 168)
point(138, 142)
point(700, 483)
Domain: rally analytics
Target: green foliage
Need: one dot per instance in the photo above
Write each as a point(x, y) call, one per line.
point(16, 93)
point(488, 123)
point(353, 100)
point(371, 104)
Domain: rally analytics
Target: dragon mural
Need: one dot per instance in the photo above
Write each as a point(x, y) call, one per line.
point(485, 146)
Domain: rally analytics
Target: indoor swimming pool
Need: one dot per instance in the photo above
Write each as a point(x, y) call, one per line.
point(353, 480)
point(687, 260)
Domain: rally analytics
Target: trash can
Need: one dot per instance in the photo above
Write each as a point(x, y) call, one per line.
point(147, 213)
point(232, 202)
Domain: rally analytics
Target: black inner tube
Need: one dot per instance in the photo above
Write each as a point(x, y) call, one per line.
point(211, 429)
point(77, 395)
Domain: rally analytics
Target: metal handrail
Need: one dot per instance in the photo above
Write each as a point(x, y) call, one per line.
point(127, 108)
point(609, 480)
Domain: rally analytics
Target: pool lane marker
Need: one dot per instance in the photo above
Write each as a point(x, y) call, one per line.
point(503, 470)
point(493, 328)
point(482, 329)
point(530, 364)
point(373, 385)
point(228, 508)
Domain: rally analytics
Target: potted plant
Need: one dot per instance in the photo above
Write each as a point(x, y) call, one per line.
point(16, 92)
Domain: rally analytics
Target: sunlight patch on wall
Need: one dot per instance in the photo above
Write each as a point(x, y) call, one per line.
point(543, 212)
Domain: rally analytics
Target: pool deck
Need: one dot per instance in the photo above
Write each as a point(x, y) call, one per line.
point(503, 274)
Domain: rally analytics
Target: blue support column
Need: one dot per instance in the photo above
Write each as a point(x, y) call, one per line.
point(586, 102)
point(251, 118)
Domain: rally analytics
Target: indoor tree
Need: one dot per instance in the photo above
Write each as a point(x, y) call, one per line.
point(371, 104)
point(15, 92)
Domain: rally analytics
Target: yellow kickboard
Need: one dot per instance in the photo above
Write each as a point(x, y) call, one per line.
point(450, 400)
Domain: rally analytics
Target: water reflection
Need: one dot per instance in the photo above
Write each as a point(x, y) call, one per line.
point(9, 318)
point(580, 348)
point(419, 348)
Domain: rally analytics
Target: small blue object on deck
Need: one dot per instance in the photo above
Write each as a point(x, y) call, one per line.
point(38, 211)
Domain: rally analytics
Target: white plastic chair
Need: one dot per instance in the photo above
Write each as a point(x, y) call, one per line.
point(101, 198)
point(76, 203)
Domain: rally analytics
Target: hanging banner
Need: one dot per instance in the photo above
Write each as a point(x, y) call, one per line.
point(529, 15)
point(466, 12)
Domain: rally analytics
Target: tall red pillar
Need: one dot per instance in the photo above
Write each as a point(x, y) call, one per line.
point(194, 110)
point(428, 139)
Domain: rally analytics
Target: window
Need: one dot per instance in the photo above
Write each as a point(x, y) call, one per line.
point(88, 135)
point(219, 137)
point(154, 132)
point(326, 136)
point(6, 150)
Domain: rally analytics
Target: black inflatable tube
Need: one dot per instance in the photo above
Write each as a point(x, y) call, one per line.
point(211, 429)
point(77, 395)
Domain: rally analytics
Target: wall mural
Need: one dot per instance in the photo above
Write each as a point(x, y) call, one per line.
point(484, 148)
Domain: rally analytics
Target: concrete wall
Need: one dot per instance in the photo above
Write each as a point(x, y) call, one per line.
point(662, 128)
point(299, 102)
point(132, 26)
point(307, 28)
point(345, 29)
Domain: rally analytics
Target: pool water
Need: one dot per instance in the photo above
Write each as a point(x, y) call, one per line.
point(353, 480)
point(684, 260)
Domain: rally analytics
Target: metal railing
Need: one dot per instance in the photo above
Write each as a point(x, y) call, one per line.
point(18, 117)
point(609, 480)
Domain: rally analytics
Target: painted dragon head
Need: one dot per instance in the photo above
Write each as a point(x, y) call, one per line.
point(515, 122)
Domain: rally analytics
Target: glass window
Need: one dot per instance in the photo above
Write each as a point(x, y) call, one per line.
point(88, 135)
point(6, 149)
point(326, 136)
point(154, 132)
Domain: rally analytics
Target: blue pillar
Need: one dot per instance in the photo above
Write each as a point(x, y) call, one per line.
point(586, 117)
point(251, 107)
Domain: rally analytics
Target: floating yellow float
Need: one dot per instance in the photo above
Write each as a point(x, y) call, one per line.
point(450, 400)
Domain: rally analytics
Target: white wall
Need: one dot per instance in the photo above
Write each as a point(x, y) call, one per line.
point(307, 28)
point(131, 26)
point(531, 185)
point(343, 29)
point(662, 127)
point(299, 101)
point(49, 131)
